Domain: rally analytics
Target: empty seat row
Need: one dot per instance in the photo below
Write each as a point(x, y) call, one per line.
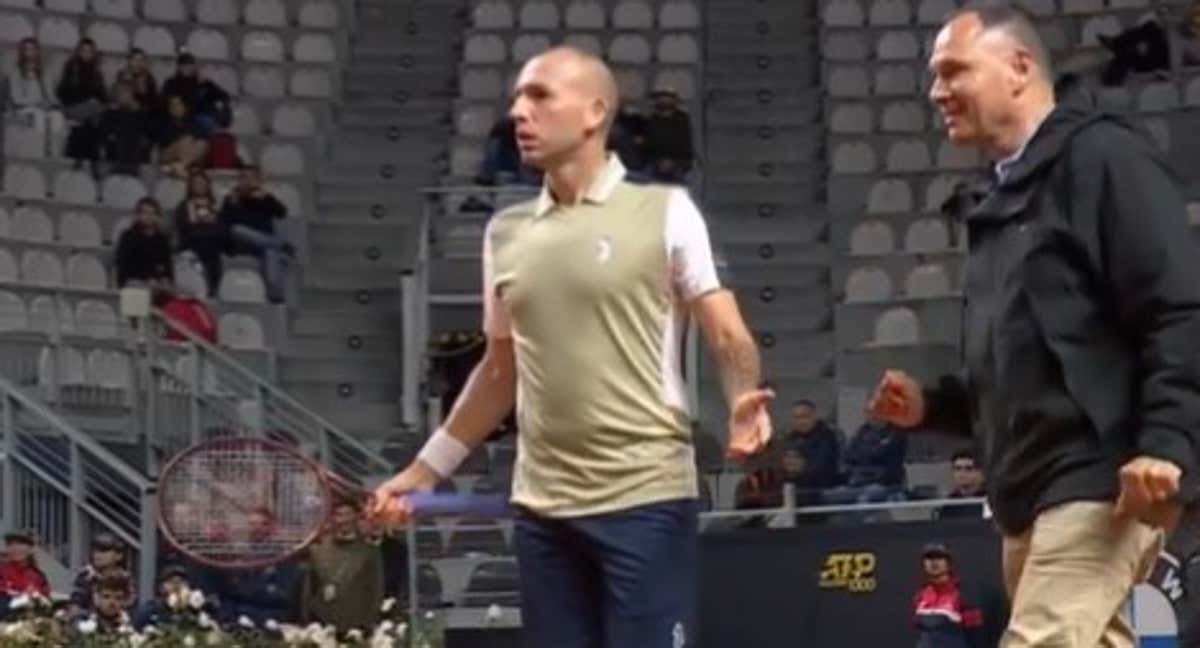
point(586, 14)
point(871, 284)
point(859, 81)
point(68, 367)
point(901, 156)
point(895, 195)
point(491, 84)
point(50, 315)
point(898, 116)
point(923, 236)
point(313, 14)
point(32, 223)
point(287, 120)
point(853, 13)
point(624, 48)
point(44, 268)
point(898, 326)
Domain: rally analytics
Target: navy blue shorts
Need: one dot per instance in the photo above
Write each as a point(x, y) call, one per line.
point(618, 580)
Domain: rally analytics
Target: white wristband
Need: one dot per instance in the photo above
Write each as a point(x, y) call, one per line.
point(443, 453)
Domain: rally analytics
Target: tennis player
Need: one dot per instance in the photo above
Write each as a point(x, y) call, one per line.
point(1082, 335)
point(586, 292)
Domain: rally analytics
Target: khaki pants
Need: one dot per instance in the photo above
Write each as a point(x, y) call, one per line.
point(1069, 575)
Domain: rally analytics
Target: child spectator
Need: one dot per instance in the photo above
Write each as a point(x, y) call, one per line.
point(185, 308)
point(126, 132)
point(137, 74)
point(180, 139)
point(199, 230)
point(28, 103)
point(249, 212)
point(172, 581)
point(111, 596)
point(108, 559)
point(144, 250)
point(19, 571)
point(206, 101)
point(83, 94)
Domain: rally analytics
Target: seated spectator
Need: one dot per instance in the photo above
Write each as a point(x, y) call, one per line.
point(628, 138)
point(258, 594)
point(181, 143)
point(1159, 43)
point(501, 159)
point(111, 597)
point(144, 249)
point(125, 130)
point(186, 308)
point(968, 482)
point(206, 101)
point(83, 95)
point(138, 75)
point(172, 580)
point(19, 571)
point(108, 559)
point(875, 466)
point(249, 213)
point(817, 450)
point(199, 230)
point(669, 152)
point(28, 102)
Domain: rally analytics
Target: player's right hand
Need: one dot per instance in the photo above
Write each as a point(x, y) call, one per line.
point(390, 504)
point(897, 400)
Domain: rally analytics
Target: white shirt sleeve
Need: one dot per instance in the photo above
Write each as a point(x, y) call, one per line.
point(693, 272)
point(496, 323)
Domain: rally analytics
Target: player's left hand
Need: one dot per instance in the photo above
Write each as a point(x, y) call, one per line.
point(1148, 485)
point(749, 424)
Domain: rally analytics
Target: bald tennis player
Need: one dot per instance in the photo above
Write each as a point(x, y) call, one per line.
point(586, 292)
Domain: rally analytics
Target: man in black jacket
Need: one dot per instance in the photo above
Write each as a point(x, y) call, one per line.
point(1082, 339)
point(249, 212)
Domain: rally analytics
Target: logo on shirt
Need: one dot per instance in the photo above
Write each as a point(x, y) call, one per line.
point(853, 572)
point(603, 249)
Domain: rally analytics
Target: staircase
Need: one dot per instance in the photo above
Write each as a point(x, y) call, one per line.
point(764, 193)
point(343, 356)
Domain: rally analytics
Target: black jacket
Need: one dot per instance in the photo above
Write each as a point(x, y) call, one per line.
point(143, 255)
point(822, 452)
point(256, 213)
point(1082, 319)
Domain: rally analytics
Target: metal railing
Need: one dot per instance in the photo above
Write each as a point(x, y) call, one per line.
point(64, 485)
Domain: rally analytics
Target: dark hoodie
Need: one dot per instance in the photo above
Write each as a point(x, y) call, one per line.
point(1082, 318)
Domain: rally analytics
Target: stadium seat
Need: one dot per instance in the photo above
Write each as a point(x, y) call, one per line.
point(265, 13)
point(86, 271)
point(75, 187)
point(13, 316)
point(20, 4)
point(493, 14)
point(868, 284)
point(845, 47)
point(889, 196)
point(631, 82)
point(895, 80)
point(495, 582)
point(169, 192)
point(465, 160)
point(79, 229)
point(527, 46)
point(679, 49)
point(933, 12)
point(264, 82)
point(539, 15)
point(223, 75)
point(64, 367)
point(208, 44)
point(475, 121)
point(927, 236)
point(155, 40)
point(679, 80)
point(1054, 37)
point(1082, 6)
point(1159, 96)
point(679, 14)
point(481, 84)
point(314, 48)
point(56, 31)
point(897, 326)
point(311, 83)
point(633, 14)
point(5, 223)
point(928, 281)
point(903, 117)
point(262, 47)
point(585, 14)
point(245, 120)
point(15, 27)
point(8, 267)
point(484, 49)
point(1107, 25)
point(110, 37)
point(94, 318)
point(1191, 93)
point(65, 6)
point(22, 141)
point(950, 156)
point(939, 190)
point(852, 118)
point(853, 157)
point(217, 12)
point(908, 155)
point(890, 13)
point(241, 331)
point(319, 14)
point(872, 237)
point(30, 223)
point(41, 268)
point(49, 314)
point(122, 192)
point(843, 13)
point(1039, 7)
point(293, 121)
point(586, 42)
point(288, 195)
point(849, 82)
point(897, 46)
point(629, 49)
point(1159, 131)
point(108, 369)
point(244, 286)
point(25, 182)
point(170, 11)
point(123, 9)
point(282, 160)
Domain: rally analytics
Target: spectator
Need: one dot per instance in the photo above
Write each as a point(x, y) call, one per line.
point(83, 95)
point(144, 249)
point(669, 152)
point(185, 308)
point(126, 133)
point(19, 571)
point(941, 614)
point(199, 230)
point(628, 137)
point(111, 596)
point(181, 142)
point(818, 449)
point(172, 580)
point(259, 595)
point(249, 213)
point(108, 559)
point(875, 465)
point(501, 160)
point(28, 101)
point(968, 482)
point(344, 583)
point(206, 101)
point(138, 75)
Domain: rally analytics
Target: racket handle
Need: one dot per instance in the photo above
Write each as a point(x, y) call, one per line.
point(459, 504)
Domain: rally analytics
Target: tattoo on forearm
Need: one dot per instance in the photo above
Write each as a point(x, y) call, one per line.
point(740, 367)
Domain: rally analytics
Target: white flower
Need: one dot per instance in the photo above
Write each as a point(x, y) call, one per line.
point(245, 622)
point(88, 625)
point(272, 625)
point(196, 599)
point(430, 616)
point(19, 602)
point(136, 640)
point(494, 613)
point(189, 641)
point(173, 600)
point(355, 635)
point(204, 620)
point(382, 641)
point(213, 638)
point(401, 630)
point(386, 626)
point(388, 604)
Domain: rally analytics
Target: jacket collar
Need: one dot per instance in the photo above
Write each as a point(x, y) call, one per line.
point(601, 190)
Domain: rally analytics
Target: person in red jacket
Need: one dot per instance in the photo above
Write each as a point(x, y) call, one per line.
point(19, 571)
point(188, 312)
point(942, 617)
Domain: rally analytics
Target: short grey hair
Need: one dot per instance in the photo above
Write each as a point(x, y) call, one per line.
point(1019, 26)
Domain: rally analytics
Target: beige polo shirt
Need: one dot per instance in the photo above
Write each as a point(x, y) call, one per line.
point(594, 297)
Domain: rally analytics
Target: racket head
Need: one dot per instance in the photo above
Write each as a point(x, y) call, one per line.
point(242, 503)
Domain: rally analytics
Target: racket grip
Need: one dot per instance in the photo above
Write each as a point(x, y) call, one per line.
point(459, 504)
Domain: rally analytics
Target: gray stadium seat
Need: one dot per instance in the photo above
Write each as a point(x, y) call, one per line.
point(262, 46)
point(868, 284)
point(853, 157)
point(49, 315)
point(628, 49)
point(41, 268)
point(586, 42)
point(485, 49)
point(245, 120)
point(56, 31)
point(908, 155)
point(110, 37)
point(479, 83)
point(849, 81)
point(5, 223)
point(80, 229)
point(264, 82)
point(950, 156)
point(1159, 96)
point(24, 181)
point(291, 120)
point(872, 237)
point(242, 286)
point(314, 48)
point(678, 49)
point(890, 13)
point(889, 196)
point(1039, 7)
point(319, 14)
point(123, 9)
point(1093, 27)
point(13, 315)
point(31, 223)
point(94, 318)
point(843, 13)
point(208, 44)
point(897, 46)
point(845, 47)
point(633, 14)
point(903, 117)
point(8, 267)
point(927, 235)
point(492, 15)
point(75, 187)
point(282, 159)
point(897, 326)
point(217, 12)
point(539, 15)
point(895, 80)
point(1082, 6)
point(86, 271)
point(928, 281)
point(585, 14)
point(14, 27)
point(933, 12)
point(155, 40)
point(852, 118)
point(940, 189)
point(171, 11)
point(241, 331)
point(265, 13)
point(122, 192)
point(311, 83)
point(679, 14)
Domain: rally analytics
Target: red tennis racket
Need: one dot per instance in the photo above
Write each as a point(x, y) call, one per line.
point(247, 502)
